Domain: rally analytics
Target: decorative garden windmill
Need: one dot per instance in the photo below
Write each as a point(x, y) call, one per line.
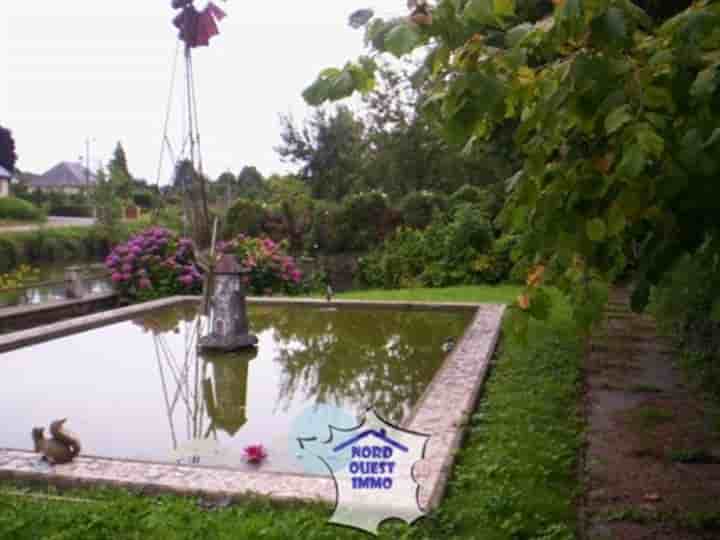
point(195, 29)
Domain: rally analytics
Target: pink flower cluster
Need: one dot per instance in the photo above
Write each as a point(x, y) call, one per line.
point(152, 256)
point(268, 267)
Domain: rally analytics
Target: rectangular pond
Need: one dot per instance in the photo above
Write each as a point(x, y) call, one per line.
point(138, 390)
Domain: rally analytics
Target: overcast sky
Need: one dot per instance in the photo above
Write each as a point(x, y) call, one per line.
point(75, 69)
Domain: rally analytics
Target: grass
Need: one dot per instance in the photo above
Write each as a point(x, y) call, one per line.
point(515, 476)
point(503, 294)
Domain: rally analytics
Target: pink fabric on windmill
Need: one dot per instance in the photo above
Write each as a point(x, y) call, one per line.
point(197, 27)
point(216, 12)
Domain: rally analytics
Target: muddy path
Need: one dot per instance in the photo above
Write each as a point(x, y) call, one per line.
point(651, 467)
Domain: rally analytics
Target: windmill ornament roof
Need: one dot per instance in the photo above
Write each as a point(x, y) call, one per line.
point(197, 27)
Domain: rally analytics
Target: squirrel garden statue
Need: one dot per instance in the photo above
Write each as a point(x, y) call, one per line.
point(62, 447)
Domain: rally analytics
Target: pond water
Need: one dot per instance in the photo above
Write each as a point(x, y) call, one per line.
point(55, 272)
point(138, 389)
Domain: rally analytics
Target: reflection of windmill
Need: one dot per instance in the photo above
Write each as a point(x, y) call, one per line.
point(210, 390)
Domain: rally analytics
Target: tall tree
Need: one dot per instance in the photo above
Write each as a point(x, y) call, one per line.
point(330, 150)
point(251, 183)
point(119, 160)
point(119, 173)
point(409, 153)
point(8, 157)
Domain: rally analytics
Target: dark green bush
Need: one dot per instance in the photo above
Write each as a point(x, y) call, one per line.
point(330, 231)
point(72, 210)
point(467, 194)
point(687, 305)
point(364, 214)
point(245, 217)
point(419, 207)
point(59, 244)
point(454, 249)
point(18, 209)
point(143, 199)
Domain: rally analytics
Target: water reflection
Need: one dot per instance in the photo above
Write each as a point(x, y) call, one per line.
point(51, 292)
point(139, 389)
point(340, 357)
point(209, 389)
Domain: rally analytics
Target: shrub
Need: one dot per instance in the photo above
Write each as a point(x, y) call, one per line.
point(452, 250)
point(153, 264)
point(143, 199)
point(330, 232)
point(269, 268)
point(419, 208)
point(467, 194)
point(687, 306)
point(12, 208)
point(245, 217)
point(72, 210)
point(365, 214)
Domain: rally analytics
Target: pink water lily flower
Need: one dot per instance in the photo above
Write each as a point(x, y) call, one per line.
point(255, 453)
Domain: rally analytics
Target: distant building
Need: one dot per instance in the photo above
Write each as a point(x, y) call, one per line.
point(5, 177)
point(66, 177)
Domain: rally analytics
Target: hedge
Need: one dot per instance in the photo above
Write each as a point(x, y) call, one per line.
point(57, 244)
point(18, 209)
point(72, 210)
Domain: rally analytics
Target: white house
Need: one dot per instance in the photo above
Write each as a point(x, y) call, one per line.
point(5, 177)
point(66, 176)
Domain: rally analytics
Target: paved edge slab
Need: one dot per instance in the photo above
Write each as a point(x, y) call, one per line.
point(442, 412)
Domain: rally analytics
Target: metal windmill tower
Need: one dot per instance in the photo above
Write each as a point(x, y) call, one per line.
point(195, 29)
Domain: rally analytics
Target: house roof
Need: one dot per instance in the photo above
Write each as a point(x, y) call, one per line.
point(4, 173)
point(65, 173)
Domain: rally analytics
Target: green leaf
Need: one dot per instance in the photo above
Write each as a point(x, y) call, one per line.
point(705, 83)
point(616, 119)
point(317, 92)
point(715, 312)
point(341, 86)
point(658, 98)
point(402, 39)
point(482, 11)
point(609, 29)
point(516, 34)
point(616, 220)
point(652, 143)
point(633, 161)
point(596, 230)
point(504, 8)
point(713, 138)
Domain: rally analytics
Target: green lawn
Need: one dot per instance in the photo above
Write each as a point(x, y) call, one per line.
point(504, 294)
point(515, 478)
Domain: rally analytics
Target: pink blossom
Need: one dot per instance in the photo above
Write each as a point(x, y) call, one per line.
point(145, 283)
point(126, 268)
point(255, 453)
point(116, 277)
point(187, 279)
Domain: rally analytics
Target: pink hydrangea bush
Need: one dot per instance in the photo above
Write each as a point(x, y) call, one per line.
point(153, 264)
point(267, 266)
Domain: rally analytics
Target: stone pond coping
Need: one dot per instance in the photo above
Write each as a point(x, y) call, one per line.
point(14, 318)
point(443, 412)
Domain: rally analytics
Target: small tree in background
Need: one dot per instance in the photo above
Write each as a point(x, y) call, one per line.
point(119, 173)
point(8, 157)
point(251, 183)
